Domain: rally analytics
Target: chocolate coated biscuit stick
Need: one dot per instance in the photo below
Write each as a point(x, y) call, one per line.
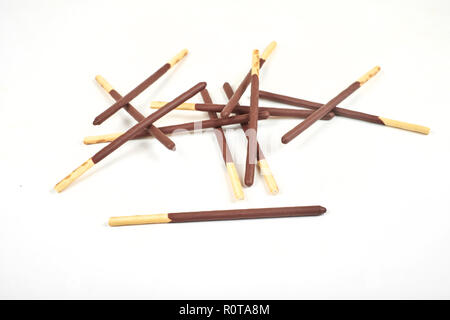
point(212, 107)
point(319, 113)
point(141, 87)
point(244, 84)
point(226, 154)
point(218, 215)
point(252, 129)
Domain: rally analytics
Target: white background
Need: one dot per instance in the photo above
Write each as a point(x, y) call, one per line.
point(386, 232)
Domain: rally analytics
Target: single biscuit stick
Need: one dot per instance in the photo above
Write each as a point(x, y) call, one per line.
point(213, 107)
point(319, 113)
point(217, 215)
point(252, 129)
point(139, 89)
point(245, 83)
point(226, 154)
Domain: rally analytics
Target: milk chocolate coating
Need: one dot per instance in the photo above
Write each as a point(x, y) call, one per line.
point(220, 135)
point(131, 95)
point(206, 124)
point(234, 100)
point(254, 103)
point(128, 107)
point(276, 112)
point(161, 137)
point(319, 113)
point(314, 105)
point(229, 93)
point(142, 125)
point(247, 214)
point(251, 132)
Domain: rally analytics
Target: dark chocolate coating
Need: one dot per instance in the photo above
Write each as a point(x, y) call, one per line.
point(234, 100)
point(319, 113)
point(276, 112)
point(131, 95)
point(229, 93)
point(140, 127)
point(314, 105)
point(247, 214)
point(251, 132)
point(165, 140)
point(220, 135)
